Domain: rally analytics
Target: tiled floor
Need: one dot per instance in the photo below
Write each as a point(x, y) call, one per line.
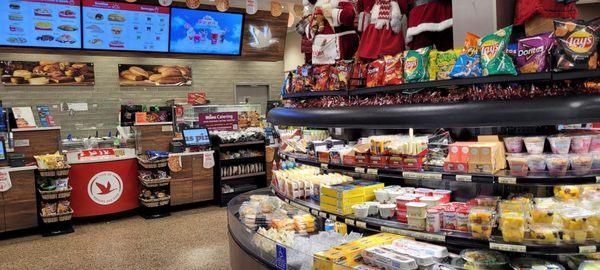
point(190, 239)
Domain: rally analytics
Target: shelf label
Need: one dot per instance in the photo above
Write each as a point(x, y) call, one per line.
point(417, 235)
point(324, 166)
point(301, 207)
point(391, 230)
point(359, 170)
point(587, 249)
point(292, 159)
point(464, 178)
point(323, 214)
point(314, 212)
point(349, 221)
point(431, 176)
point(168, 128)
point(411, 175)
point(332, 217)
point(281, 260)
point(21, 143)
point(598, 179)
point(372, 171)
point(508, 247)
point(507, 180)
point(361, 224)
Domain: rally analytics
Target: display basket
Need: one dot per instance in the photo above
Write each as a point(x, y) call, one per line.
point(152, 164)
point(155, 182)
point(58, 217)
point(55, 172)
point(55, 194)
point(155, 202)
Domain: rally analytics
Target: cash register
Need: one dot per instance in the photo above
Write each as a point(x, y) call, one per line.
point(196, 139)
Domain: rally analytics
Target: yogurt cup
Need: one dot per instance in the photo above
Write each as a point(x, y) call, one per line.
point(360, 210)
point(560, 144)
point(517, 164)
point(416, 210)
point(373, 208)
point(424, 191)
point(581, 144)
point(382, 195)
point(387, 211)
point(393, 194)
point(595, 144)
point(513, 144)
point(431, 200)
point(536, 163)
point(535, 144)
point(445, 194)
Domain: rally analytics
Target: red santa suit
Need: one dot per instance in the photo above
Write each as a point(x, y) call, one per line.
point(429, 23)
point(526, 9)
point(381, 22)
point(338, 39)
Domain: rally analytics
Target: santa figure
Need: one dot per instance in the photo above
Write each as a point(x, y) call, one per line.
point(301, 27)
point(331, 29)
point(382, 23)
point(429, 23)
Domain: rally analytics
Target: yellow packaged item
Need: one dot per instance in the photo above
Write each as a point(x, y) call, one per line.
point(342, 203)
point(335, 210)
point(342, 191)
point(445, 62)
point(433, 66)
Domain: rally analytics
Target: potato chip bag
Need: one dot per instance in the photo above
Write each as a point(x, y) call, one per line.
point(393, 69)
point(322, 77)
point(375, 73)
point(533, 53)
point(343, 70)
point(358, 76)
point(468, 64)
point(416, 65)
point(494, 59)
point(577, 46)
point(445, 62)
point(432, 69)
point(511, 50)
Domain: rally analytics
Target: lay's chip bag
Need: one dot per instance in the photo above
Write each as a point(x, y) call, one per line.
point(494, 59)
point(416, 65)
point(445, 62)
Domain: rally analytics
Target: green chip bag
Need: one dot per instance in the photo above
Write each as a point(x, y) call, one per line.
point(416, 65)
point(445, 62)
point(494, 59)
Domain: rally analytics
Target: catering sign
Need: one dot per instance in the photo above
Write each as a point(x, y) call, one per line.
point(226, 121)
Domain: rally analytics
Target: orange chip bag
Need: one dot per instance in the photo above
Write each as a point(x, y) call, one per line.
point(393, 69)
point(376, 73)
point(322, 77)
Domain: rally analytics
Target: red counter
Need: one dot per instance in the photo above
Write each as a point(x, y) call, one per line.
point(104, 186)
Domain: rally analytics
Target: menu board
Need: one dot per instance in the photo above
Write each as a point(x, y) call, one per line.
point(125, 27)
point(40, 23)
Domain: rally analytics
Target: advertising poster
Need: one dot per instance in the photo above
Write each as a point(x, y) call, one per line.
point(155, 75)
point(224, 121)
point(46, 73)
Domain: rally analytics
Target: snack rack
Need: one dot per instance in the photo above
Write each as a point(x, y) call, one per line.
point(152, 208)
point(56, 223)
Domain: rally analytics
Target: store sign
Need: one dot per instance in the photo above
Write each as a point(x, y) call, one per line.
point(99, 152)
point(105, 188)
point(226, 121)
point(281, 260)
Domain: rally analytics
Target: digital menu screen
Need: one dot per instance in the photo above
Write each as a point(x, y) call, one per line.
point(206, 32)
point(125, 27)
point(40, 23)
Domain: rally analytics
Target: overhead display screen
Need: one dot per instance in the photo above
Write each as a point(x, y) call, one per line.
point(125, 27)
point(40, 23)
point(206, 32)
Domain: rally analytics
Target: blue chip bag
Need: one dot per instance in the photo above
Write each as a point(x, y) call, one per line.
point(466, 67)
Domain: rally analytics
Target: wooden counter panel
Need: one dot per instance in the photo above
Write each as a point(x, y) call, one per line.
point(181, 191)
point(2, 222)
point(40, 142)
point(186, 168)
point(154, 138)
point(20, 209)
point(202, 180)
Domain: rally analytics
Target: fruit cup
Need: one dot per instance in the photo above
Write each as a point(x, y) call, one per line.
point(567, 193)
point(581, 144)
point(536, 163)
point(575, 218)
point(574, 236)
point(545, 234)
point(541, 214)
point(534, 145)
point(581, 164)
point(517, 164)
point(557, 164)
point(560, 144)
point(514, 144)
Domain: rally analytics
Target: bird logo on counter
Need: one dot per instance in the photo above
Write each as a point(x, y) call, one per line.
point(105, 188)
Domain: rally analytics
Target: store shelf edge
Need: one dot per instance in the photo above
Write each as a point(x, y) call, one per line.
point(518, 112)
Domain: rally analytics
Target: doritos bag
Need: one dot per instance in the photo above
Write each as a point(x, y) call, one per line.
point(416, 63)
point(533, 53)
point(393, 69)
point(494, 59)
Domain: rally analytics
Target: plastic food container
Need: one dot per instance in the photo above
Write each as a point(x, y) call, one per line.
point(557, 164)
point(596, 161)
point(401, 216)
point(513, 144)
point(567, 193)
point(560, 144)
point(422, 259)
point(483, 259)
point(482, 215)
point(489, 201)
point(534, 145)
point(388, 260)
point(574, 218)
point(536, 163)
point(481, 231)
point(416, 210)
point(541, 214)
point(529, 263)
point(373, 208)
point(581, 144)
point(595, 145)
point(393, 194)
point(382, 195)
point(574, 236)
point(360, 210)
point(517, 164)
point(445, 194)
point(581, 164)
point(417, 224)
point(387, 211)
point(545, 234)
point(430, 200)
point(438, 252)
point(424, 191)
point(433, 221)
point(512, 225)
point(401, 201)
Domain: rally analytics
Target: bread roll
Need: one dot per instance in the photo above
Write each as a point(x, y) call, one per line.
point(22, 73)
point(171, 72)
point(185, 71)
point(139, 71)
point(170, 80)
point(155, 77)
point(39, 81)
point(128, 75)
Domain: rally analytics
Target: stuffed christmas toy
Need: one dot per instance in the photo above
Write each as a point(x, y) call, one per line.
point(525, 9)
point(302, 26)
point(331, 29)
point(429, 23)
point(382, 23)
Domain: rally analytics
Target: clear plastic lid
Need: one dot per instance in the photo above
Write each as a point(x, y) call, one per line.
point(421, 258)
point(485, 258)
point(527, 263)
point(482, 215)
point(438, 252)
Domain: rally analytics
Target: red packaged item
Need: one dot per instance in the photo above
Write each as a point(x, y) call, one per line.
point(376, 73)
point(393, 69)
point(322, 78)
point(343, 71)
point(358, 76)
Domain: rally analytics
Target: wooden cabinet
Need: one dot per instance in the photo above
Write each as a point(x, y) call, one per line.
point(154, 136)
point(2, 223)
point(194, 183)
point(19, 203)
point(36, 141)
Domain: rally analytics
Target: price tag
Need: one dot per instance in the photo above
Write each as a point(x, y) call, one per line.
point(359, 170)
point(292, 159)
point(361, 224)
point(598, 179)
point(463, 178)
point(349, 221)
point(324, 166)
point(507, 180)
point(168, 128)
point(332, 217)
point(587, 249)
point(391, 230)
point(411, 175)
point(508, 247)
point(433, 237)
point(323, 214)
point(431, 176)
point(314, 212)
point(372, 171)
point(301, 207)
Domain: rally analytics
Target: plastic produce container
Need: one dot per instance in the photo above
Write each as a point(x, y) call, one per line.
point(536, 163)
point(513, 144)
point(545, 234)
point(483, 259)
point(534, 145)
point(581, 144)
point(581, 164)
point(557, 164)
point(560, 144)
